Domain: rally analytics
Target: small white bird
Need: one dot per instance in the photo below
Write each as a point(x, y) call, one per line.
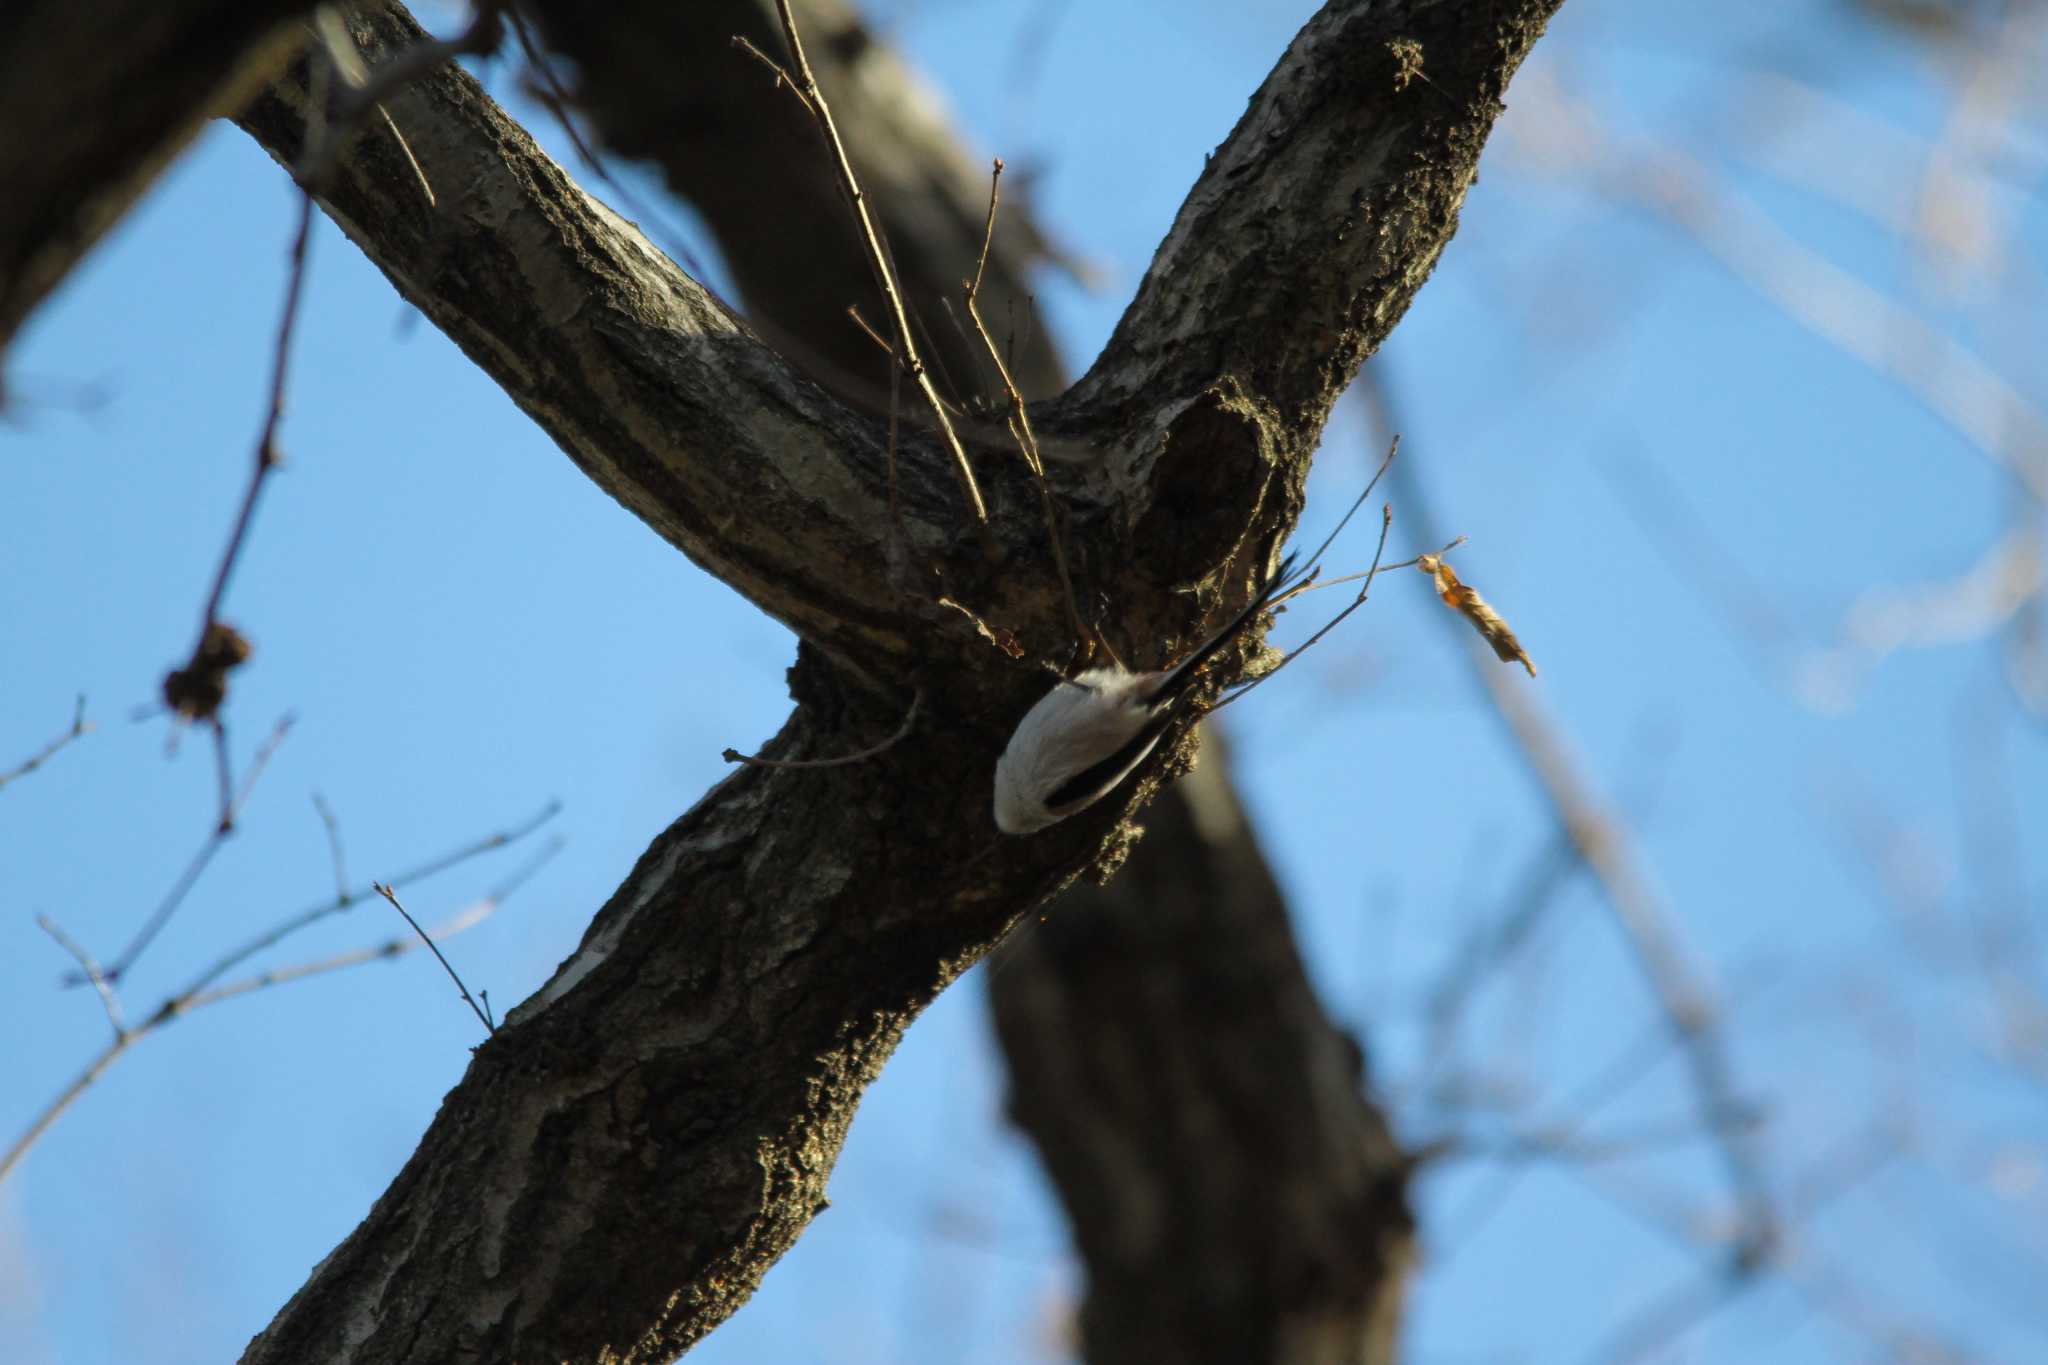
point(1088, 733)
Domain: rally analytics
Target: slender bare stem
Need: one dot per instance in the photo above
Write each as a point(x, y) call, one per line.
point(91, 967)
point(233, 800)
point(79, 726)
point(804, 85)
point(1020, 421)
point(196, 994)
point(902, 732)
point(482, 1016)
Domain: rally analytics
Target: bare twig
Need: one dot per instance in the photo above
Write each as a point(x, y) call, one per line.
point(902, 732)
point(804, 85)
point(1020, 420)
point(196, 996)
point(419, 172)
point(483, 1017)
point(79, 726)
point(1565, 1144)
point(1308, 577)
point(224, 775)
point(853, 311)
point(1315, 560)
point(224, 826)
point(355, 896)
point(91, 967)
point(333, 828)
point(1365, 588)
point(1317, 585)
point(196, 689)
point(267, 455)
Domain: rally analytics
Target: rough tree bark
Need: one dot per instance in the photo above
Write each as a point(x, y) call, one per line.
point(624, 1160)
point(1141, 1014)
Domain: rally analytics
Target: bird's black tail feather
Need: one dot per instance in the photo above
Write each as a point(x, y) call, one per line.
point(1174, 683)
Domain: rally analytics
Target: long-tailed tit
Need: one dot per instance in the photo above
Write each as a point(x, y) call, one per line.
point(1088, 733)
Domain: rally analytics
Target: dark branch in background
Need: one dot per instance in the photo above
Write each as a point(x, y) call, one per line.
point(80, 727)
point(196, 689)
point(1234, 1194)
point(711, 136)
point(201, 992)
point(548, 90)
point(231, 803)
point(69, 177)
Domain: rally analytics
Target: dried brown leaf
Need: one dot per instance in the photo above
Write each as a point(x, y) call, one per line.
point(1469, 604)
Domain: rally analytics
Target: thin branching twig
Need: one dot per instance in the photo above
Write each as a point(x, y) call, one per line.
point(482, 1014)
point(351, 897)
point(1020, 420)
point(883, 746)
point(804, 85)
point(232, 802)
point(1364, 589)
point(79, 726)
point(200, 991)
point(334, 849)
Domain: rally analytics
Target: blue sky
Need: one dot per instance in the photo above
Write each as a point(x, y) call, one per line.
point(466, 629)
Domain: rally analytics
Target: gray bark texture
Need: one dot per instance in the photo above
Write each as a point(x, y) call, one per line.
point(624, 1160)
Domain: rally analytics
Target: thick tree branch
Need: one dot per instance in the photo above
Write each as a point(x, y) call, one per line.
point(95, 100)
point(623, 1161)
point(1315, 222)
point(650, 384)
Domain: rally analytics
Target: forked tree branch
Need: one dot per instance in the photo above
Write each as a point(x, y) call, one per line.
point(627, 1156)
point(636, 1145)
